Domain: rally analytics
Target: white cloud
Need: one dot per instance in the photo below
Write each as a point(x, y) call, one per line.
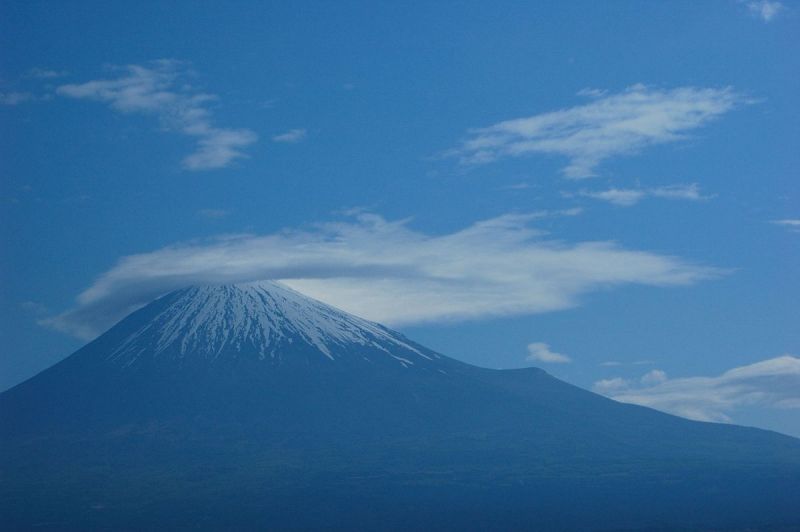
point(773, 383)
point(386, 271)
point(652, 377)
point(540, 352)
point(608, 126)
point(617, 196)
point(611, 363)
point(44, 73)
point(790, 223)
point(609, 386)
point(683, 192)
point(626, 197)
point(592, 93)
point(766, 10)
point(572, 211)
point(291, 136)
point(15, 98)
point(157, 89)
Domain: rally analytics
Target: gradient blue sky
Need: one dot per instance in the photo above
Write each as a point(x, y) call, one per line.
point(607, 190)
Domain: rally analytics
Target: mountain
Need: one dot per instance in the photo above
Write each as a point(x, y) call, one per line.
point(254, 407)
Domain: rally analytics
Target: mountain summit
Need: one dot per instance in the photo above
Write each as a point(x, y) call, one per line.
point(252, 406)
point(267, 321)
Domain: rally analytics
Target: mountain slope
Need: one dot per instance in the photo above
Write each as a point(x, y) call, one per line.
point(260, 320)
point(252, 406)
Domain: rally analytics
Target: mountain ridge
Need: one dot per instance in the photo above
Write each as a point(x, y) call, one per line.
point(154, 430)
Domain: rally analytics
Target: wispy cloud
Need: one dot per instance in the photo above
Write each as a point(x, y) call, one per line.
point(592, 93)
point(609, 386)
point(773, 383)
point(291, 136)
point(386, 271)
point(608, 126)
point(45, 73)
point(517, 186)
point(626, 197)
point(540, 352)
point(553, 213)
point(15, 98)
point(653, 377)
point(792, 224)
point(157, 89)
point(612, 363)
point(34, 307)
point(766, 10)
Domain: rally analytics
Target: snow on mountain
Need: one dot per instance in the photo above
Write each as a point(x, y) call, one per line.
point(265, 319)
point(249, 406)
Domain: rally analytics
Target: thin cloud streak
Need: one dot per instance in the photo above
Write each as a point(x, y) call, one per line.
point(15, 98)
point(609, 126)
point(156, 89)
point(773, 383)
point(45, 73)
point(627, 197)
point(290, 137)
point(792, 224)
point(386, 271)
point(766, 10)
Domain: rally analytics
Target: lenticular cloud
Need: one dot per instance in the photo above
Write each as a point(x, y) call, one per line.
point(386, 271)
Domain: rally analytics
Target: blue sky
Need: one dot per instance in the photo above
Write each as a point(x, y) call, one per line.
point(605, 190)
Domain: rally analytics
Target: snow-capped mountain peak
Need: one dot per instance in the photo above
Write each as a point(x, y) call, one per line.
point(265, 320)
